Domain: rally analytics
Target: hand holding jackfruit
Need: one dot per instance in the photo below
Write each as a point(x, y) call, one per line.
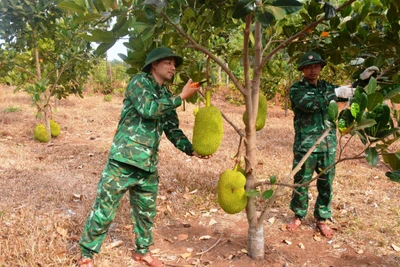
point(231, 192)
point(40, 133)
point(261, 113)
point(54, 128)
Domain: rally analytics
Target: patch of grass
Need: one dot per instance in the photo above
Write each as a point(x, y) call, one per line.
point(12, 109)
point(108, 98)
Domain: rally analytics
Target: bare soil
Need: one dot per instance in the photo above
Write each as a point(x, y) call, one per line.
point(47, 189)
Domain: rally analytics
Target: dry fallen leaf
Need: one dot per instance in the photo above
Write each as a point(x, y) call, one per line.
point(182, 237)
point(396, 248)
point(115, 244)
point(155, 251)
point(287, 242)
point(63, 232)
point(317, 238)
point(186, 255)
point(212, 222)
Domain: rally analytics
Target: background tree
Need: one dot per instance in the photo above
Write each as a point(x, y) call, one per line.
point(199, 25)
point(45, 55)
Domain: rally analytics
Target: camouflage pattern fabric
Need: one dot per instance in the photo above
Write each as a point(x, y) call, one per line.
point(310, 107)
point(116, 179)
point(148, 111)
point(317, 161)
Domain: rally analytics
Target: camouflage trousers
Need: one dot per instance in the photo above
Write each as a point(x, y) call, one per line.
point(116, 179)
point(316, 162)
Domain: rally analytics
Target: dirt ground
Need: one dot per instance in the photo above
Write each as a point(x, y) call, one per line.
point(47, 189)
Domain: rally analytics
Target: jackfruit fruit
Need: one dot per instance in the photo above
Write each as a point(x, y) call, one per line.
point(54, 128)
point(195, 110)
point(261, 113)
point(208, 129)
point(231, 192)
point(40, 133)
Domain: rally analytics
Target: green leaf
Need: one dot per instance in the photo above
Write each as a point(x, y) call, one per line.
point(267, 194)
point(243, 8)
point(394, 176)
point(355, 109)
point(252, 193)
point(71, 6)
point(139, 26)
point(365, 124)
point(88, 17)
point(330, 11)
point(103, 36)
point(333, 110)
point(288, 6)
point(386, 133)
point(351, 25)
point(371, 86)
point(103, 48)
point(374, 99)
point(174, 15)
point(392, 160)
point(372, 156)
point(264, 16)
point(272, 179)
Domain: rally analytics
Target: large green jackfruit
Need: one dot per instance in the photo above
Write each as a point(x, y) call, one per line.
point(208, 131)
point(40, 133)
point(261, 114)
point(231, 193)
point(54, 128)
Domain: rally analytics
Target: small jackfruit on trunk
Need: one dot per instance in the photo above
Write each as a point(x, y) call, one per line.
point(208, 129)
point(261, 113)
point(231, 191)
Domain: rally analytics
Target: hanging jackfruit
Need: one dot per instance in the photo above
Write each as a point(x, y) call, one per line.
point(54, 128)
point(231, 192)
point(208, 129)
point(261, 113)
point(40, 133)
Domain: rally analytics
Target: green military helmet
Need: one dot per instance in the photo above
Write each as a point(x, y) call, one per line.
point(310, 58)
point(159, 53)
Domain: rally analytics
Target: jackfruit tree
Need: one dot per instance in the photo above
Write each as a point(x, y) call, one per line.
point(42, 53)
point(242, 38)
point(208, 129)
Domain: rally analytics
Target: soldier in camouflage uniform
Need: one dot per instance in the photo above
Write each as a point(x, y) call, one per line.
point(310, 98)
point(148, 112)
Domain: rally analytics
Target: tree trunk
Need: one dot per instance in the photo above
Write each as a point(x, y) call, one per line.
point(46, 119)
point(256, 241)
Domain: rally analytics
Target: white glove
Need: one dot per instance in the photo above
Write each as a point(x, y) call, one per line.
point(344, 91)
point(368, 72)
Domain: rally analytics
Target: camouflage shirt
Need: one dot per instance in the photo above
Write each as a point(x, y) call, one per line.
point(310, 107)
point(148, 111)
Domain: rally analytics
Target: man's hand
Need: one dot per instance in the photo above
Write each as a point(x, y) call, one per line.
point(188, 90)
point(201, 157)
point(368, 72)
point(344, 91)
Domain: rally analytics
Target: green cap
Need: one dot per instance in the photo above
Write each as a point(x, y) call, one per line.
point(310, 58)
point(159, 53)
